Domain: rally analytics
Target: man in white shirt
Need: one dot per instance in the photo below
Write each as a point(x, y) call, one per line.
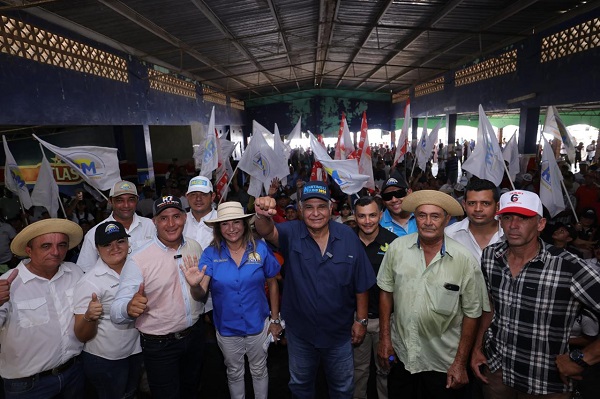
point(39, 357)
point(124, 198)
point(480, 228)
point(200, 196)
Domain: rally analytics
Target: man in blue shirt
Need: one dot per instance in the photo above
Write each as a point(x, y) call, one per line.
point(325, 300)
point(394, 218)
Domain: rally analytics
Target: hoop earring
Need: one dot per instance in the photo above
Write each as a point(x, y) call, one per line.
point(129, 251)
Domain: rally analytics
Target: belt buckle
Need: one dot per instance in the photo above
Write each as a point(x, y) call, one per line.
point(178, 335)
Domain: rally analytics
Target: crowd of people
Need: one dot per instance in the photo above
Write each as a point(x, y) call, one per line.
point(444, 287)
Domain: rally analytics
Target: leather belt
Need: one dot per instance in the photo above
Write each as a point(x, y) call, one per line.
point(373, 315)
point(57, 370)
point(176, 335)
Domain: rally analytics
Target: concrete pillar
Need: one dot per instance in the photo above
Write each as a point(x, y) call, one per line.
point(528, 129)
point(451, 119)
point(143, 154)
point(415, 128)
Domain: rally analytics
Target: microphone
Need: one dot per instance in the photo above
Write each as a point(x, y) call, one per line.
point(329, 255)
point(177, 256)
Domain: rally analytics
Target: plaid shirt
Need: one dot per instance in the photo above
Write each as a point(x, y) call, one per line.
point(534, 313)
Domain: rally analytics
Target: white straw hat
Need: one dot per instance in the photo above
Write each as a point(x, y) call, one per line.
point(229, 211)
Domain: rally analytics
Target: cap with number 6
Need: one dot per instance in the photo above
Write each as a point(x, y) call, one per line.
point(523, 203)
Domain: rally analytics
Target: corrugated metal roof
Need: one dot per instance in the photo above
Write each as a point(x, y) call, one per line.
point(250, 48)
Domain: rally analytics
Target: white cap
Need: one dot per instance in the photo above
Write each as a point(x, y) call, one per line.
point(523, 203)
point(199, 183)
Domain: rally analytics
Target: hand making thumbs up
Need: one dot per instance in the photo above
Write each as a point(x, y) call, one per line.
point(5, 287)
point(137, 305)
point(94, 310)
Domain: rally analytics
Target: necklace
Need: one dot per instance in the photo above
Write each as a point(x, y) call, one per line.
point(235, 251)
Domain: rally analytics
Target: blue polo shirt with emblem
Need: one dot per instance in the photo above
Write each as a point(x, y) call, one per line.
point(319, 296)
point(389, 224)
point(238, 293)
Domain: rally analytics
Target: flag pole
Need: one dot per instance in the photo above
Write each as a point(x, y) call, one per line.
point(508, 174)
point(62, 207)
point(562, 183)
point(228, 183)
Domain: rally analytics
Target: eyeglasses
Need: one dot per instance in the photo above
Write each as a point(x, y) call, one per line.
point(398, 194)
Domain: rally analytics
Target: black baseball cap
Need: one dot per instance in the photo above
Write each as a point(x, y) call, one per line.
point(166, 202)
point(108, 232)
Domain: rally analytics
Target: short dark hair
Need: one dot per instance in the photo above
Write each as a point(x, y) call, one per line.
point(482, 185)
point(367, 200)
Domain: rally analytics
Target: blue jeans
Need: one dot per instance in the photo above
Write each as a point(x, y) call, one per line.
point(113, 378)
point(174, 365)
point(304, 359)
point(66, 385)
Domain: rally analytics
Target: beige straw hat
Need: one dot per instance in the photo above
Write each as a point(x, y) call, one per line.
point(432, 197)
point(229, 211)
point(46, 226)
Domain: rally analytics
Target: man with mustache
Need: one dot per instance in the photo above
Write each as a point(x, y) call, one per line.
point(434, 287)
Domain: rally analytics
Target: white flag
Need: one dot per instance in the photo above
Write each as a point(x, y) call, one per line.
point(279, 146)
point(98, 166)
point(210, 157)
point(344, 171)
point(432, 139)
point(13, 179)
point(45, 192)
point(486, 160)
point(550, 187)
point(403, 146)
point(255, 187)
point(227, 148)
point(422, 154)
point(260, 161)
point(344, 146)
point(556, 127)
point(510, 152)
point(295, 134)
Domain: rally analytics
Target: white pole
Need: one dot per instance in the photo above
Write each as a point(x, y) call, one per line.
point(569, 199)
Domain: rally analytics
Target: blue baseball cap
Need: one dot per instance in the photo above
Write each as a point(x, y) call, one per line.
point(316, 189)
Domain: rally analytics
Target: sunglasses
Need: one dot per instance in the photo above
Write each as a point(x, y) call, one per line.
point(398, 194)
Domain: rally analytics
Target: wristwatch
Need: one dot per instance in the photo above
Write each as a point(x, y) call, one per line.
point(275, 321)
point(577, 356)
point(364, 322)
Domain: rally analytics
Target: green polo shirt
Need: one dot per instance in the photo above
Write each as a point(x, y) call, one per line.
point(430, 301)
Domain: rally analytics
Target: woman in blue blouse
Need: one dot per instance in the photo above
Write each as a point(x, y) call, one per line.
point(235, 267)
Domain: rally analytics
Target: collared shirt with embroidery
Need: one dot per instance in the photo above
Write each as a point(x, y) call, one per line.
point(141, 230)
point(239, 300)
point(430, 301)
point(112, 341)
point(37, 322)
point(376, 250)
point(388, 223)
point(171, 307)
point(460, 232)
point(534, 313)
point(319, 297)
